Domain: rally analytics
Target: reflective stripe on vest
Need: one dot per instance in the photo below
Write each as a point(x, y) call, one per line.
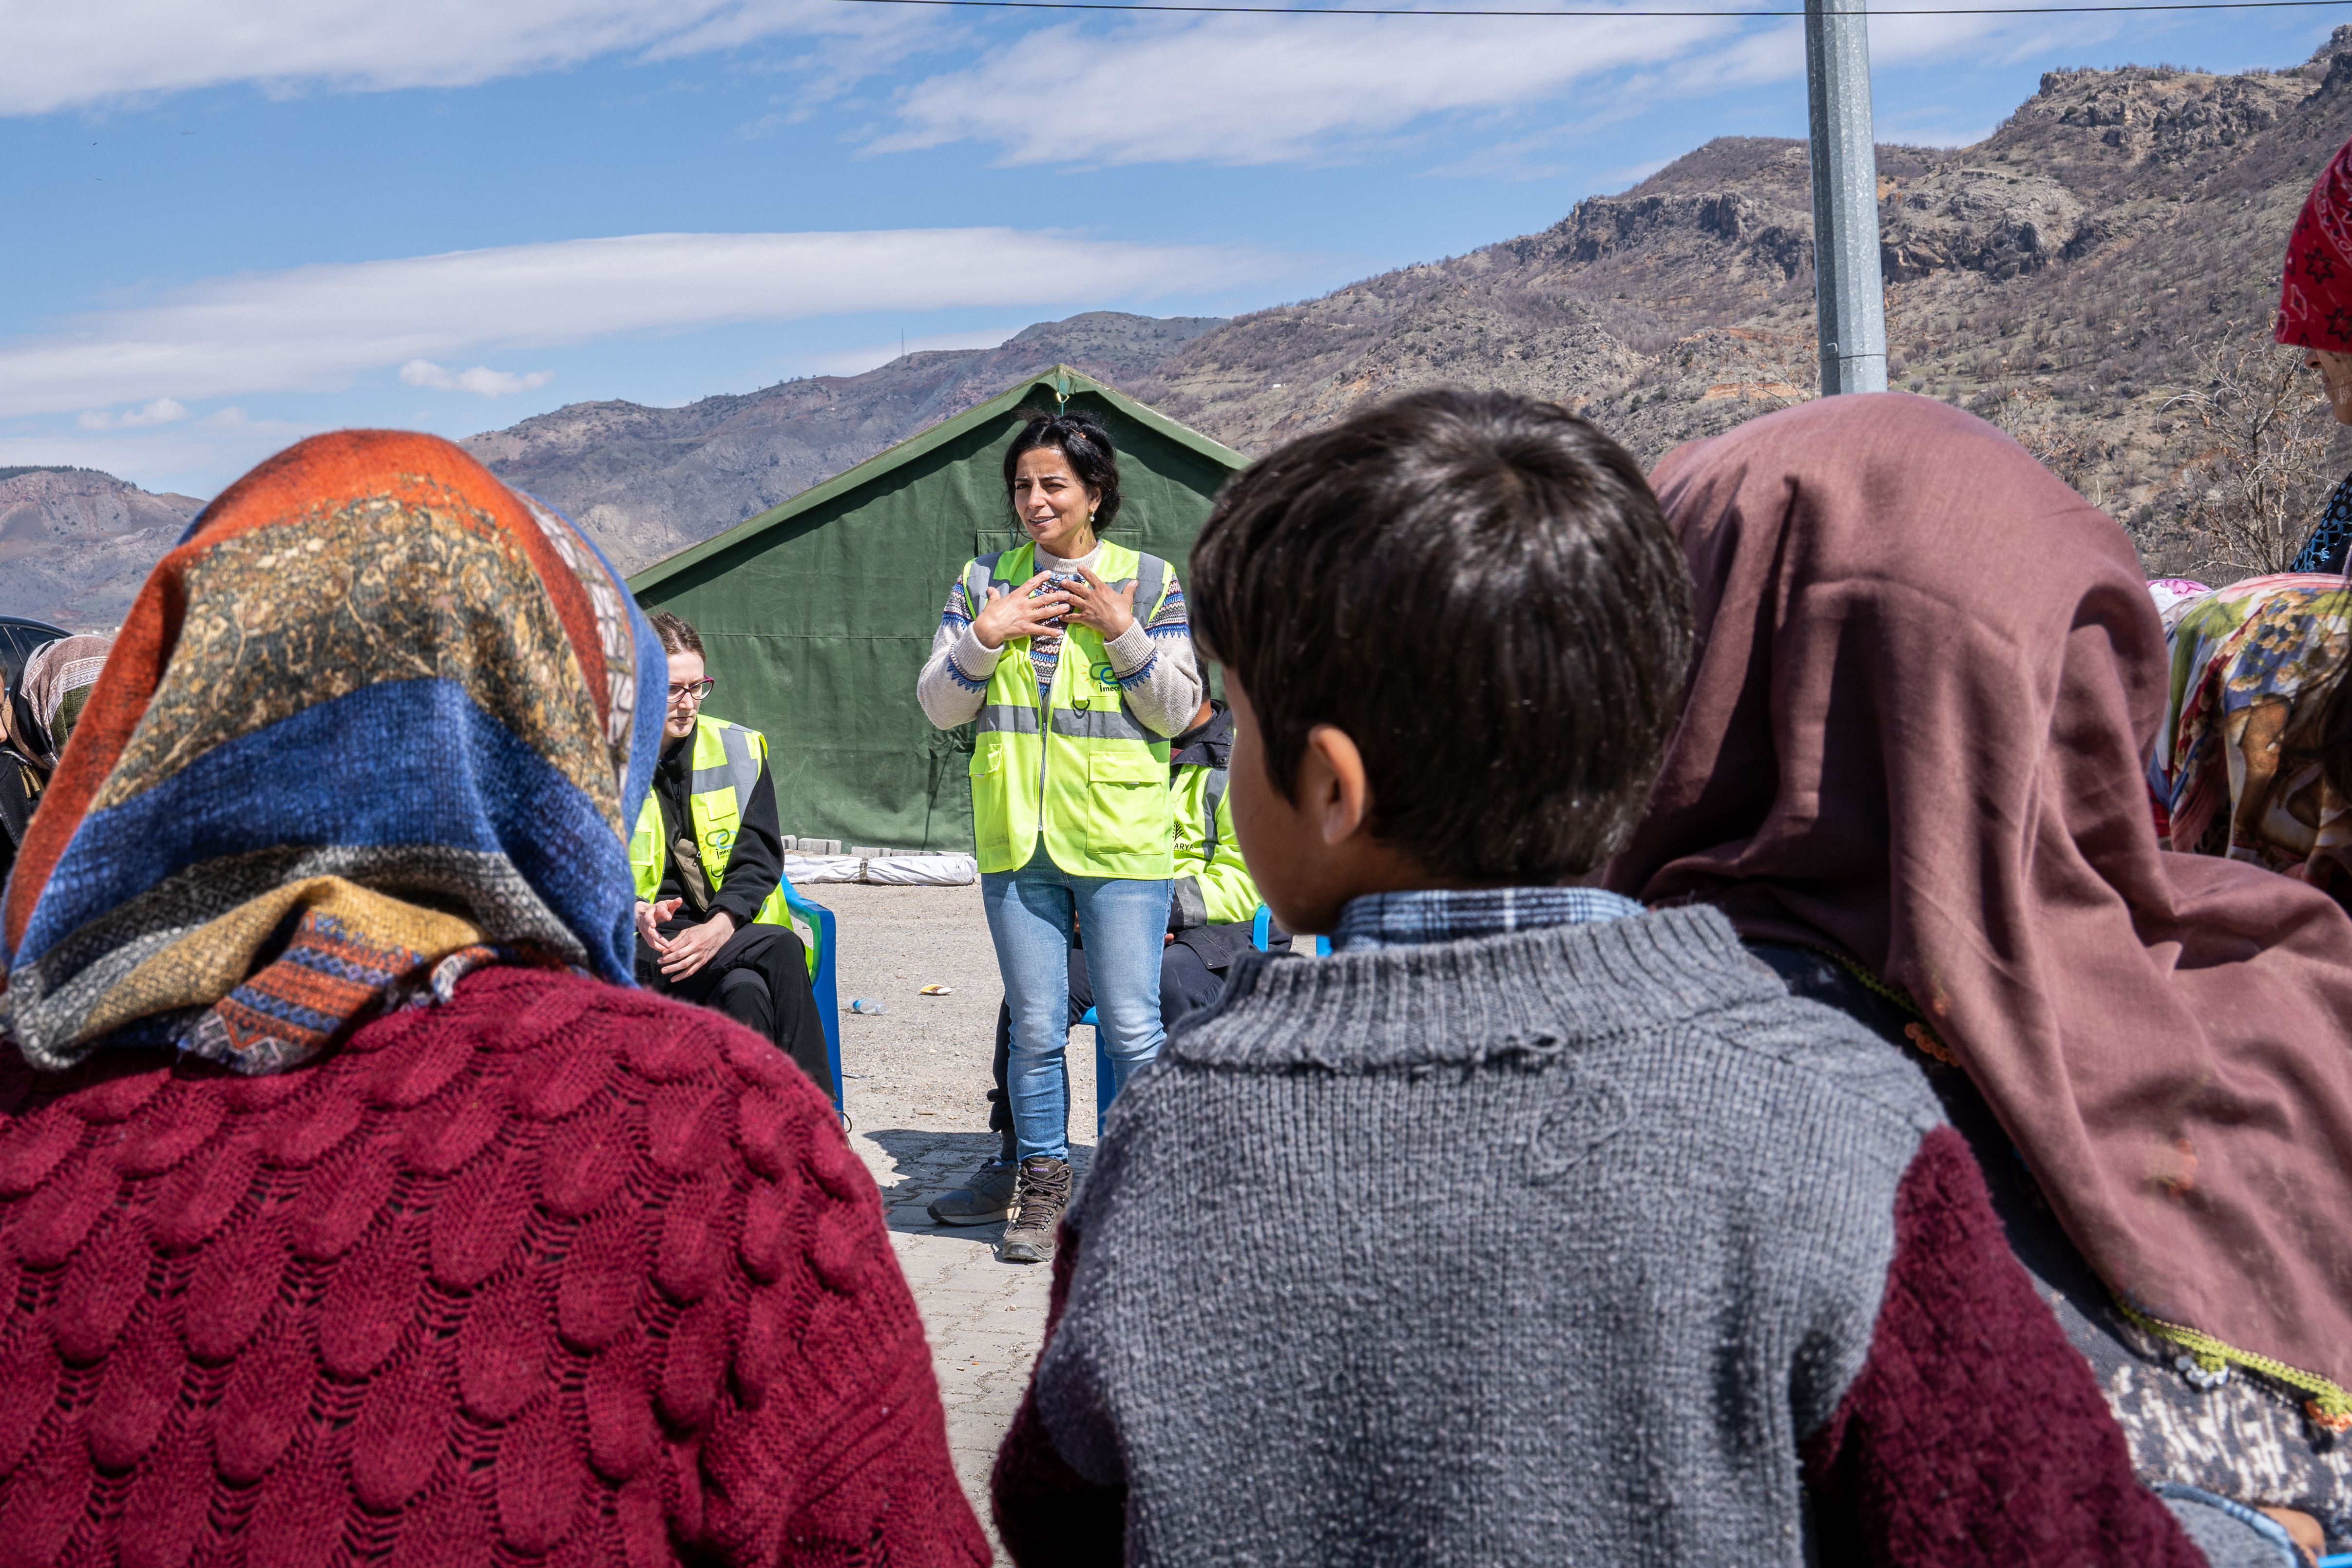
point(725, 769)
point(1092, 723)
point(1213, 796)
point(1085, 776)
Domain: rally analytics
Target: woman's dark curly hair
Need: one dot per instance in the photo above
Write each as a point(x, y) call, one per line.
point(1081, 439)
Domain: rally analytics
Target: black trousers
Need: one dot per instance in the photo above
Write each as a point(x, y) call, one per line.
point(760, 979)
point(1185, 983)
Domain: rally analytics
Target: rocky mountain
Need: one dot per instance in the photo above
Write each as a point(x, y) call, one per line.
point(75, 544)
point(649, 482)
point(2078, 277)
point(2071, 277)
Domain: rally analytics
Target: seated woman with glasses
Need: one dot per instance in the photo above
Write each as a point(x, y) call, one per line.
point(713, 927)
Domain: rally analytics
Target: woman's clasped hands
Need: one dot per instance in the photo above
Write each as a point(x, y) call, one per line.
point(1045, 603)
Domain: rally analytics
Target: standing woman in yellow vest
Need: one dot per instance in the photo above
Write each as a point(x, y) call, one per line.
point(1073, 655)
point(715, 921)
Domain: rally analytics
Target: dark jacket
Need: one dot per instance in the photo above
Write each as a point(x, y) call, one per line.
point(20, 789)
point(755, 866)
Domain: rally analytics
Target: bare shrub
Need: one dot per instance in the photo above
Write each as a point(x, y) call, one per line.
point(1765, 371)
point(2256, 434)
point(2036, 419)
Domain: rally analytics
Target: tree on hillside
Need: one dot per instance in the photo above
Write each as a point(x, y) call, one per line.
point(2256, 434)
point(2068, 446)
point(1764, 370)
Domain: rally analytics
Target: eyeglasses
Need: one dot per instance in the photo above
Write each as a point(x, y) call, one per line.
point(693, 690)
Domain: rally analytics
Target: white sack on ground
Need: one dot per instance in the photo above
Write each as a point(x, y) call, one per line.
point(923, 870)
point(804, 869)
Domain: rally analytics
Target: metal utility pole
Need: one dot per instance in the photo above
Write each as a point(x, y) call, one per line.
point(1849, 299)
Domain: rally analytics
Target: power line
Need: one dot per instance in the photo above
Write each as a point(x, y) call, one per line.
point(1799, 11)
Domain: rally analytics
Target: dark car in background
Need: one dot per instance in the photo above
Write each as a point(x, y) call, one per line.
point(19, 636)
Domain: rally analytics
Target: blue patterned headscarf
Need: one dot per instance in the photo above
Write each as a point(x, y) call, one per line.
point(376, 716)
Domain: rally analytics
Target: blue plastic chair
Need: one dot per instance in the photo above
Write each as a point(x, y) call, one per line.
point(1260, 926)
point(828, 995)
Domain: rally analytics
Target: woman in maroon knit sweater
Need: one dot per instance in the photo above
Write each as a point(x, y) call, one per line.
point(352, 1204)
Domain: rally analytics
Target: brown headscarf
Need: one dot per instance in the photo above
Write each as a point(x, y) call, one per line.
point(41, 707)
point(1927, 678)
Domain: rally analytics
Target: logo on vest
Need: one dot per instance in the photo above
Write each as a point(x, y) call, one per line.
point(719, 838)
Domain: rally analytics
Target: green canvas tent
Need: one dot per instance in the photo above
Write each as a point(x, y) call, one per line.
point(816, 615)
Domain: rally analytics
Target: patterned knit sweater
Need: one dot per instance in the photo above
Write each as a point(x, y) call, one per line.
point(553, 1271)
point(1582, 1244)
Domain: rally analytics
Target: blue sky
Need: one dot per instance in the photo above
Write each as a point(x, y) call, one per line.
point(235, 224)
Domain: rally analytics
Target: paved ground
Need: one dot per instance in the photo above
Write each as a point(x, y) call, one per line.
point(914, 1078)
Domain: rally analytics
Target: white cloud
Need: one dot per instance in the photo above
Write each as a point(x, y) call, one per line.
point(1256, 89)
point(162, 411)
point(317, 327)
point(481, 379)
point(1991, 37)
point(1775, 53)
point(65, 52)
point(1262, 90)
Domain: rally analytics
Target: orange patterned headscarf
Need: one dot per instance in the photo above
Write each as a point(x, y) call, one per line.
point(375, 712)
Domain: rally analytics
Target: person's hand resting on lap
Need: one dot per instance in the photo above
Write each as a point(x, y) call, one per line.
point(690, 949)
point(697, 945)
point(649, 920)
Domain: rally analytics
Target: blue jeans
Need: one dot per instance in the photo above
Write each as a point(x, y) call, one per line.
point(1029, 916)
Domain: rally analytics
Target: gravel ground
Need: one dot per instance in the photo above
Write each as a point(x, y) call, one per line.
point(914, 1080)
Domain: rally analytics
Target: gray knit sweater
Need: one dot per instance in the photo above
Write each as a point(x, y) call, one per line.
point(1547, 1247)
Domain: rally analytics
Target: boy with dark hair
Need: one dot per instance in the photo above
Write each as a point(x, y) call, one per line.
point(1529, 1227)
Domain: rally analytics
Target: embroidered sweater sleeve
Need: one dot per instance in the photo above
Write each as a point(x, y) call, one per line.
point(955, 677)
point(1152, 661)
point(1974, 1433)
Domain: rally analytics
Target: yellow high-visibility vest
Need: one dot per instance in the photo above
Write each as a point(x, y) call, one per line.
point(1084, 774)
point(1207, 854)
point(726, 765)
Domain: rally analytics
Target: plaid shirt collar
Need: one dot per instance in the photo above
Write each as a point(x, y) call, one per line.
point(1449, 914)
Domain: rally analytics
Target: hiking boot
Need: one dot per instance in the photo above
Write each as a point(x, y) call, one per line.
point(986, 1201)
point(1044, 1193)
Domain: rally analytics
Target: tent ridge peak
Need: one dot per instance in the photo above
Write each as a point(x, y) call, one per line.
point(1062, 380)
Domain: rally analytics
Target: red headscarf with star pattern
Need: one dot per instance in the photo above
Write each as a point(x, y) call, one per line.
point(2315, 283)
